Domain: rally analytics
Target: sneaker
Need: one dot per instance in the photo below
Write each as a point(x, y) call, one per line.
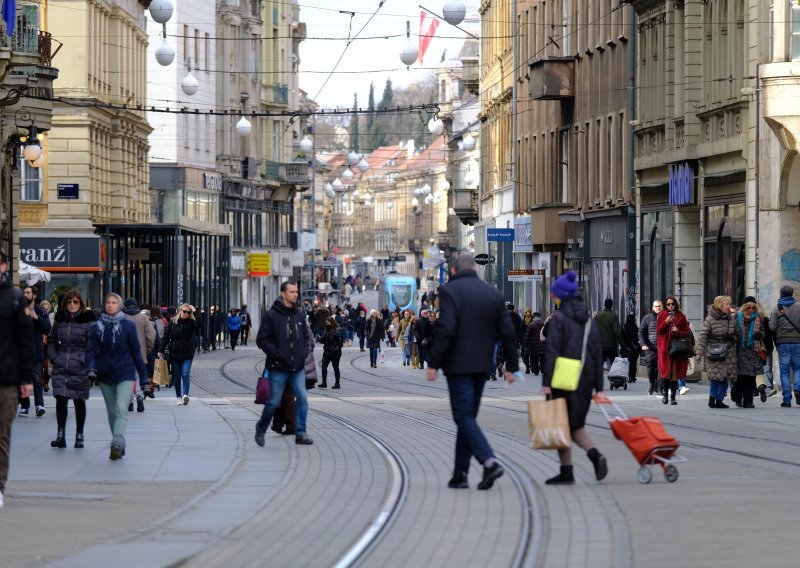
point(260, 438)
point(786, 405)
point(139, 403)
point(797, 397)
point(762, 393)
point(40, 411)
point(684, 390)
point(772, 392)
point(490, 474)
point(1, 499)
point(24, 412)
point(186, 399)
point(179, 401)
point(130, 407)
point(458, 481)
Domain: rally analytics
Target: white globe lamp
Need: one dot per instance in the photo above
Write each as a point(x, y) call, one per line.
point(435, 126)
point(408, 55)
point(363, 166)
point(469, 179)
point(337, 184)
point(426, 189)
point(165, 53)
point(454, 12)
point(306, 144)
point(329, 186)
point(32, 152)
point(161, 11)
point(353, 158)
point(243, 127)
point(190, 84)
point(469, 142)
point(347, 175)
point(414, 202)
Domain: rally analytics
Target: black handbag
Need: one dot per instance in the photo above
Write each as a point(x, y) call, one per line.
point(682, 347)
point(717, 351)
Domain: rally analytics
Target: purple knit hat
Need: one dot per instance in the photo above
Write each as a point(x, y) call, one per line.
point(565, 286)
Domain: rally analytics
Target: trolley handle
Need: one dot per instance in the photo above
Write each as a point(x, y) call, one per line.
point(603, 402)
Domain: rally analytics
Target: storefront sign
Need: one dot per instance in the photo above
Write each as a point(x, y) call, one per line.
point(499, 235)
point(238, 263)
point(483, 259)
point(521, 275)
point(522, 235)
point(681, 184)
point(212, 181)
point(61, 254)
point(259, 264)
point(68, 190)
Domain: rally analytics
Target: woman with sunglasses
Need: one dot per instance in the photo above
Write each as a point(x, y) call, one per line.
point(179, 343)
point(671, 324)
point(66, 349)
point(750, 355)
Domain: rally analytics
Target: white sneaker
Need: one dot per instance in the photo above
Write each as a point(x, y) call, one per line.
point(1, 500)
point(772, 392)
point(186, 399)
point(179, 402)
point(684, 390)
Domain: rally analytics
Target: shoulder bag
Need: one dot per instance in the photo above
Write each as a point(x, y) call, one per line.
point(718, 350)
point(567, 372)
point(682, 347)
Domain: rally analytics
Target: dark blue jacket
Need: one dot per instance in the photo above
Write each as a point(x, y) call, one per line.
point(119, 360)
point(472, 318)
point(16, 330)
point(283, 336)
point(41, 327)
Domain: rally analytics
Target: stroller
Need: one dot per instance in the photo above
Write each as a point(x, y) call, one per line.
point(618, 374)
point(647, 440)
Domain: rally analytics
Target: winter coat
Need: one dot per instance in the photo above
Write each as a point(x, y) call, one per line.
point(648, 336)
point(671, 367)
point(310, 366)
point(747, 360)
point(116, 359)
point(565, 339)
point(472, 318)
point(244, 316)
point(609, 329)
point(283, 336)
point(404, 323)
point(361, 326)
point(332, 341)
point(780, 322)
point(516, 322)
point(66, 349)
point(41, 327)
point(533, 337)
point(719, 328)
point(16, 336)
point(234, 323)
point(180, 339)
point(375, 333)
point(423, 330)
point(145, 332)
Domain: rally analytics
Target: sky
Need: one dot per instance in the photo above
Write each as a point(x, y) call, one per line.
point(374, 58)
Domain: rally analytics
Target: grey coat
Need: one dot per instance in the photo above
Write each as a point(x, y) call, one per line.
point(66, 350)
point(719, 328)
point(747, 360)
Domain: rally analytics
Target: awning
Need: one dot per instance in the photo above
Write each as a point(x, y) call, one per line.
point(32, 275)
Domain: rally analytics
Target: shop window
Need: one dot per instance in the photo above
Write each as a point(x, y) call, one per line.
point(725, 254)
point(656, 281)
point(795, 32)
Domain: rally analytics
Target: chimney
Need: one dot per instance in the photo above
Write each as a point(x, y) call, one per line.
point(410, 148)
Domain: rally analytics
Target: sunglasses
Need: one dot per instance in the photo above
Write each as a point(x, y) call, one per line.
point(73, 301)
point(670, 303)
point(186, 311)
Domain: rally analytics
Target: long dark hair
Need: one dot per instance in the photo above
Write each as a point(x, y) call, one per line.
point(70, 295)
point(674, 299)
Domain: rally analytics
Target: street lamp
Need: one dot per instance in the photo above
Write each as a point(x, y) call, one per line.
point(347, 176)
point(243, 127)
point(469, 142)
point(190, 85)
point(165, 53)
point(337, 184)
point(454, 12)
point(436, 126)
point(363, 166)
point(408, 55)
point(306, 144)
point(353, 158)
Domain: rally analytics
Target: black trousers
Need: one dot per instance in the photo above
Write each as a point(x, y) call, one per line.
point(742, 390)
point(334, 359)
point(609, 355)
point(652, 367)
point(234, 337)
point(537, 363)
point(633, 364)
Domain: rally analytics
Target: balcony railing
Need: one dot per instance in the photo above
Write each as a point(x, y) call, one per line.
point(292, 172)
point(280, 94)
point(28, 38)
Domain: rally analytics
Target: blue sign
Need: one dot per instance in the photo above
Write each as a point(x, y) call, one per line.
point(681, 184)
point(500, 235)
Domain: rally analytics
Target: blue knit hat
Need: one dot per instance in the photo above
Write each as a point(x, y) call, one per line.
point(565, 286)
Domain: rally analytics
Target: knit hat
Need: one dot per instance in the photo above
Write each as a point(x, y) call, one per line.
point(172, 311)
point(787, 290)
point(130, 303)
point(608, 304)
point(565, 286)
point(748, 299)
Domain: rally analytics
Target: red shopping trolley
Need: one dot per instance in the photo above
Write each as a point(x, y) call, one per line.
point(646, 438)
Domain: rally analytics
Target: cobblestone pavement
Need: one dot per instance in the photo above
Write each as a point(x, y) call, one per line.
point(194, 489)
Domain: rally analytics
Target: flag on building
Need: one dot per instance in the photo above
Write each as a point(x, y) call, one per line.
point(10, 16)
point(427, 28)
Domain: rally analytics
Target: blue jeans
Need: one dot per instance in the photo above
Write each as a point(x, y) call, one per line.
point(373, 355)
point(407, 352)
point(768, 371)
point(465, 400)
point(277, 382)
point(681, 383)
point(180, 374)
point(361, 342)
point(789, 360)
point(718, 389)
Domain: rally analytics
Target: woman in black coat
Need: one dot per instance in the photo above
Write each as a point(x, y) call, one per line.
point(179, 342)
point(565, 339)
point(375, 334)
point(630, 338)
point(66, 349)
point(361, 328)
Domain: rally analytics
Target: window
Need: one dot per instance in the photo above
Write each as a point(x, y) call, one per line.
point(276, 141)
point(207, 47)
point(724, 252)
point(656, 257)
point(185, 42)
point(795, 43)
point(31, 181)
point(196, 47)
point(564, 161)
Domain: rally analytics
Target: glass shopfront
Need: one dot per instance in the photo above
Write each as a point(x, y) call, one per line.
point(656, 280)
point(724, 251)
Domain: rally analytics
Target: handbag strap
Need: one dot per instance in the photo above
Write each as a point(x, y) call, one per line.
point(790, 322)
point(586, 329)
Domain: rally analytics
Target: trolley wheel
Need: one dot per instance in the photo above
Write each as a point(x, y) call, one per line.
point(624, 386)
point(644, 474)
point(671, 473)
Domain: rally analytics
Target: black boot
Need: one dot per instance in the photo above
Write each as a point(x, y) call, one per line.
point(565, 477)
point(673, 388)
point(652, 388)
point(712, 402)
point(599, 462)
point(458, 481)
point(324, 385)
point(664, 391)
point(60, 441)
point(336, 385)
point(720, 404)
point(79, 440)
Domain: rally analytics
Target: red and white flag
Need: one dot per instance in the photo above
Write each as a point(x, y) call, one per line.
point(427, 28)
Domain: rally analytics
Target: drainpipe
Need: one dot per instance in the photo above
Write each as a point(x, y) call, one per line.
point(514, 127)
point(633, 268)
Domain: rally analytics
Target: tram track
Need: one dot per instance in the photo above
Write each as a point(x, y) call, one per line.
point(531, 529)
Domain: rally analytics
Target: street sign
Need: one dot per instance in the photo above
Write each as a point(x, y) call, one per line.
point(521, 275)
point(499, 235)
point(68, 190)
point(483, 259)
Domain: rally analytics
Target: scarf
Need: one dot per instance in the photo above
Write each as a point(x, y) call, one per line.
point(787, 301)
point(746, 339)
point(114, 321)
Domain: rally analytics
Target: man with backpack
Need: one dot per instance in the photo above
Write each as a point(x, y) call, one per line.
point(246, 324)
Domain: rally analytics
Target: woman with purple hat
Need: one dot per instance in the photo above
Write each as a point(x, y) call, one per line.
point(565, 338)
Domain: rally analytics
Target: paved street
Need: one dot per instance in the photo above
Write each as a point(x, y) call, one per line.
point(195, 489)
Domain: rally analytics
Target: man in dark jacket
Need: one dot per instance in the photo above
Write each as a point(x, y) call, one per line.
point(516, 321)
point(41, 327)
point(283, 336)
point(648, 338)
point(534, 344)
point(423, 335)
point(472, 318)
point(247, 323)
point(16, 364)
point(610, 331)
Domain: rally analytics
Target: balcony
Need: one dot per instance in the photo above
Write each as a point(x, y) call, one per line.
point(280, 94)
point(28, 52)
point(552, 79)
point(287, 173)
point(465, 205)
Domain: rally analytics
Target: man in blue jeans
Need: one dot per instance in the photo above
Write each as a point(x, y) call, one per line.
point(784, 322)
point(472, 317)
point(283, 336)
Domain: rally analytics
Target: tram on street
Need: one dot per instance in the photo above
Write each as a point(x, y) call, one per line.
point(397, 291)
